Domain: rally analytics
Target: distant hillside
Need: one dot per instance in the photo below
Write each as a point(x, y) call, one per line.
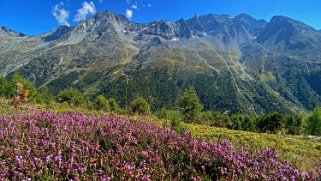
point(237, 64)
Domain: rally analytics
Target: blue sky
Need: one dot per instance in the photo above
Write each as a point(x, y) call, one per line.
point(38, 16)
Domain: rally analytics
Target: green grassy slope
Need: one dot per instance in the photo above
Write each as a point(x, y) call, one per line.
point(302, 152)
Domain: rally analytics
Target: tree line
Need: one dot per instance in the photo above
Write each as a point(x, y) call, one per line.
point(188, 108)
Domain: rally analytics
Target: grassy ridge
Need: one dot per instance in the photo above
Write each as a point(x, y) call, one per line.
point(302, 152)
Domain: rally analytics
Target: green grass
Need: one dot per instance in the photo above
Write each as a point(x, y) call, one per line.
point(6, 108)
point(301, 151)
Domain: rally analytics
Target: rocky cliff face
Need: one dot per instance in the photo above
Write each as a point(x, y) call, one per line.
point(237, 63)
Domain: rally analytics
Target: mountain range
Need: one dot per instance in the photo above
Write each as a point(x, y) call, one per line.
point(236, 63)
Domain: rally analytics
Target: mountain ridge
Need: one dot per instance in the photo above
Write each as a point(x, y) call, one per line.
point(236, 63)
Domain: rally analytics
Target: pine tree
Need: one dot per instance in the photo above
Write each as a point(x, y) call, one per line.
point(190, 105)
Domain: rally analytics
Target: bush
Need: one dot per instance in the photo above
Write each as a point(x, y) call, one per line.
point(32, 89)
point(5, 89)
point(295, 125)
point(44, 96)
point(190, 105)
point(140, 106)
point(314, 122)
point(101, 103)
point(220, 120)
point(249, 123)
point(72, 96)
point(10, 89)
point(237, 121)
point(17, 78)
point(114, 106)
point(175, 118)
point(207, 117)
point(270, 123)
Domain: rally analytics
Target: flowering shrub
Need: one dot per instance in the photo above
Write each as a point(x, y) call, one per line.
point(47, 146)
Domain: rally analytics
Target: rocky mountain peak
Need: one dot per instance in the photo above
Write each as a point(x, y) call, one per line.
point(195, 24)
point(11, 32)
point(102, 21)
point(162, 28)
point(283, 29)
point(185, 30)
point(109, 16)
point(60, 32)
point(232, 58)
point(247, 19)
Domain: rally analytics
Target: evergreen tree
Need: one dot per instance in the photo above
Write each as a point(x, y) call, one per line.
point(4, 87)
point(190, 105)
point(27, 85)
point(31, 88)
point(17, 78)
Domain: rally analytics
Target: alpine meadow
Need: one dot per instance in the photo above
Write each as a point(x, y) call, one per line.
point(124, 90)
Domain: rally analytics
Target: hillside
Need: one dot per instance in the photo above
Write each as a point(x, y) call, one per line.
point(301, 151)
point(236, 64)
point(44, 144)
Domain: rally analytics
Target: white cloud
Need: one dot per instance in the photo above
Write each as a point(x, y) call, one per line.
point(149, 5)
point(128, 1)
point(87, 8)
point(134, 6)
point(61, 14)
point(129, 13)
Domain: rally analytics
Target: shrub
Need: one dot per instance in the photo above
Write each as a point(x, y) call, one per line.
point(270, 123)
point(237, 121)
point(44, 96)
point(140, 106)
point(295, 125)
point(4, 87)
point(31, 88)
point(162, 114)
point(175, 118)
point(101, 103)
point(17, 78)
point(314, 122)
point(114, 106)
point(220, 120)
point(72, 96)
point(249, 123)
point(10, 89)
point(207, 116)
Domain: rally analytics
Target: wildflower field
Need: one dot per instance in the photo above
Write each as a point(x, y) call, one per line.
point(43, 145)
point(302, 152)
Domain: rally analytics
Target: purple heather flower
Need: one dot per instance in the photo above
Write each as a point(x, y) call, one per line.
point(97, 145)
